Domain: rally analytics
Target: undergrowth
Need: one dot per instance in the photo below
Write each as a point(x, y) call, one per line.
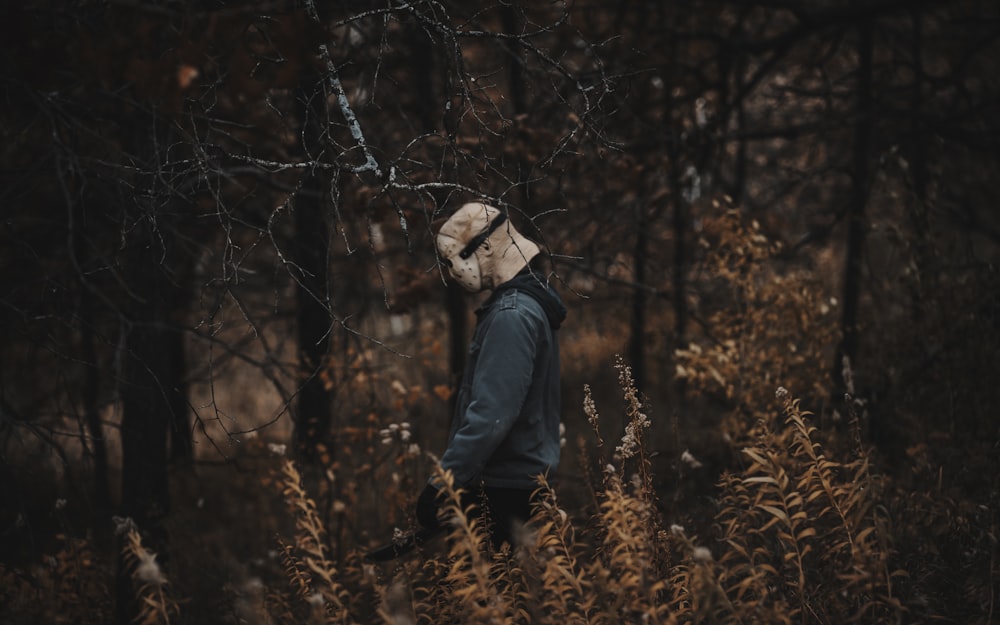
point(801, 527)
point(799, 537)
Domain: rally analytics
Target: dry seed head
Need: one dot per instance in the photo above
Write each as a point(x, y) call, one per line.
point(589, 408)
point(123, 525)
point(688, 459)
point(395, 431)
point(148, 570)
point(701, 554)
point(398, 536)
point(629, 445)
point(630, 441)
point(316, 600)
point(524, 535)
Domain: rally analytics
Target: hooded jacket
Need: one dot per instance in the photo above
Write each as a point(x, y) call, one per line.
point(506, 426)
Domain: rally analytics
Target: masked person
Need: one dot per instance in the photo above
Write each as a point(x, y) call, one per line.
point(505, 431)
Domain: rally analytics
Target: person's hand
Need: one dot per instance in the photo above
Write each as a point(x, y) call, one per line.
point(427, 508)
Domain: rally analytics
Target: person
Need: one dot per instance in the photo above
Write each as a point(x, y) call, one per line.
point(505, 431)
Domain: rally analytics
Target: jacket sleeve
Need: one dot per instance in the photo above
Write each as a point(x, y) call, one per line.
point(500, 384)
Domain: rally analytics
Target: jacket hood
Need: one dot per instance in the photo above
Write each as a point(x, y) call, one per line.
point(531, 283)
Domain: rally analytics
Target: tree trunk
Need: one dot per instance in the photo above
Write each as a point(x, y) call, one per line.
point(424, 64)
point(97, 444)
point(637, 347)
point(679, 222)
point(146, 414)
point(92, 411)
point(738, 187)
point(311, 252)
point(856, 224)
point(918, 161)
point(181, 435)
point(512, 25)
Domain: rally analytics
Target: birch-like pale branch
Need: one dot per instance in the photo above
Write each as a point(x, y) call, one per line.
point(370, 164)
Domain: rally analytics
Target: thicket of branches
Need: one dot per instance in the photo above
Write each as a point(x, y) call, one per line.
point(216, 248)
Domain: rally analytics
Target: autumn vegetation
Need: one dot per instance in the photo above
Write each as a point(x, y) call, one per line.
point(228, 357)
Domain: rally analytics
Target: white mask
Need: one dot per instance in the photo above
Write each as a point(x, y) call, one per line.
point(481, 249)
point(465, 271)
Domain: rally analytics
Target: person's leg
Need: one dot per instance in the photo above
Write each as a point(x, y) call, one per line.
point(508, 508)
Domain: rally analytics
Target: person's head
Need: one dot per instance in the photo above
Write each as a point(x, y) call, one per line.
point(481, 248)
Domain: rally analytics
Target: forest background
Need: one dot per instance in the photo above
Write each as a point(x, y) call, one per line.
point(774, 223)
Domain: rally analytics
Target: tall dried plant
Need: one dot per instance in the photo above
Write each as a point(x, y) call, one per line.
point(312, 574)
point(801, 539)
point(558, 588)
point(474, 590)
point(154, 603)
point(794, 519)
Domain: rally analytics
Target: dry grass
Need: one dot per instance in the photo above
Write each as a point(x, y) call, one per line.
point(800, 537)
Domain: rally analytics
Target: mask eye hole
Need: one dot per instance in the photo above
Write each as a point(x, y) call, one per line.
point(446, 262)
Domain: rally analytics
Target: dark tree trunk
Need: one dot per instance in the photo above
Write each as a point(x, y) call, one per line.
point(146, 416)
point(918, 157)
point(455, 298)
point(680, 228)
point(856, 224)
point(181, 435)
point(92, 411)
point(92, 378)
point(637, 347)
point(311, 252)
point(679, 225)
point(738, 187)
point(512, 25)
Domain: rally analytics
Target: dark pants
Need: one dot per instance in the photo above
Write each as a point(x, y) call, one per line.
point(508, 508)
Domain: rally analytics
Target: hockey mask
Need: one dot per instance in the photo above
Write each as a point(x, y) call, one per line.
point(459, 256)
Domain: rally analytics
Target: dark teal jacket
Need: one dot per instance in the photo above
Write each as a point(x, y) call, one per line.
point(506, 426)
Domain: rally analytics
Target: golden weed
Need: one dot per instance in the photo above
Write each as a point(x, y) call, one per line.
point(800, 538)
point(793, 520)
point(557, 589)
point(155, 604)
point(313, 577)
point(474, 590)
